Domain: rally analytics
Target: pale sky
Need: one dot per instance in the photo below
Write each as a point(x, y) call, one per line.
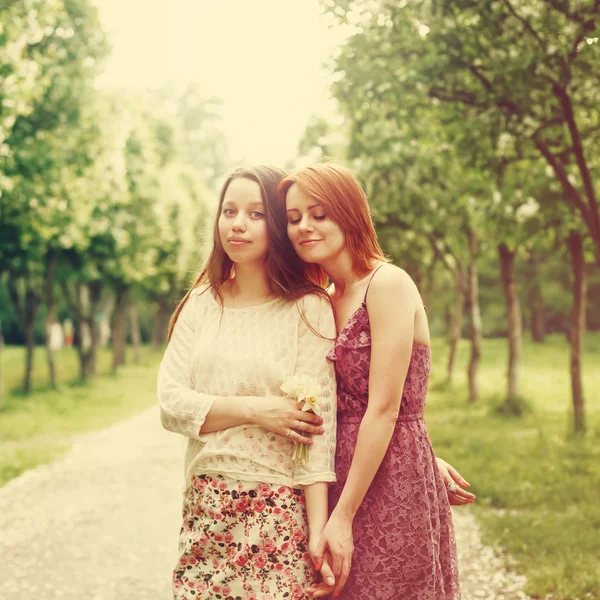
point(263, 58)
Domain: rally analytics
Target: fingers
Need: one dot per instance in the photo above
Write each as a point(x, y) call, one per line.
point(344, 576)
point(297, 437)
point(319, 553)
point(458, 477)
point(327, 574)
point(308, 428)
point(461, 494)
point(308, 417)
point(323, 590)
point(456, 501)
point(337, 563)
point(318, 590)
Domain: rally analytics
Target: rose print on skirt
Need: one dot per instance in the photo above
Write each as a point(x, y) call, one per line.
point(242, 540)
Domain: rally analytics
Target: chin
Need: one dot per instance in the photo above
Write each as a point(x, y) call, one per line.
point(311, 257)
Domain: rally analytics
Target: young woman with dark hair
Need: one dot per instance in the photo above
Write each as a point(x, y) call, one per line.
point(255, 316)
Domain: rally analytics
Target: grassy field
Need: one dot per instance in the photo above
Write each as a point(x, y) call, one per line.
point(38, 428)
point(537, 486)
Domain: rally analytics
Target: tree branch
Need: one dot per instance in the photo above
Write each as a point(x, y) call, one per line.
point(525, 22)
point(590, 192)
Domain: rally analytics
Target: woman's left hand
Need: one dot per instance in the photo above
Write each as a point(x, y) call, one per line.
point(454, 483)
point(337, 539)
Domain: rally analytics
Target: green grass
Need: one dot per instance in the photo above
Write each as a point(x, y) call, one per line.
point(40, 427)
point(537, 485)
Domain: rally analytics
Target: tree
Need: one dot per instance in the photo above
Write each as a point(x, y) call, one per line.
point(60, 43)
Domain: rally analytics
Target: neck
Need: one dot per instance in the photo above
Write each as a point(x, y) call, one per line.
point(341, 272)
point(251, 282)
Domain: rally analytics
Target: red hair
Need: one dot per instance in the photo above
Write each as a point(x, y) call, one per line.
point(289, 277)
point(338, 190)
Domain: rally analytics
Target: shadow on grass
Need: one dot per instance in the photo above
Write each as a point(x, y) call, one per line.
point(517, 408)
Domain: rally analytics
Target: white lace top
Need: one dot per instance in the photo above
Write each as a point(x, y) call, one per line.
point(218, 351)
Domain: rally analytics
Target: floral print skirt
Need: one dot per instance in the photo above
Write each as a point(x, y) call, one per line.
point(242, 541)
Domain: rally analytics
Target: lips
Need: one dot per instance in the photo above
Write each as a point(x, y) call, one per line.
point(238, 240)
point(309, 242)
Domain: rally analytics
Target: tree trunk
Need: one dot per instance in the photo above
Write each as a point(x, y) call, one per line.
point(50, 317)
point(85, 304)
point(475, 318)
point(119, 330)
point(31, 304)
point(136, 336)
point(536, 319)
point(26, 317)
point(160, 324)
point(515, 325)
point(105, 321)
point(577, 328)
point(456, 324)
point(535, 301)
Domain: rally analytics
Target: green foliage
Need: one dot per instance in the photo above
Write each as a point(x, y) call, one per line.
point(508, 88)
point(114, 186)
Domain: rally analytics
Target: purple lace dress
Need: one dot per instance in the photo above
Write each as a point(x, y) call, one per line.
point(404, 546)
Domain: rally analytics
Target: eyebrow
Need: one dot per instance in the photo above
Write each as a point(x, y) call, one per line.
point(257, 203)
point(309, 208)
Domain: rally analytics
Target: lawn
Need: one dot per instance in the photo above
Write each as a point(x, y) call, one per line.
point(38, 428)
point(537, 485)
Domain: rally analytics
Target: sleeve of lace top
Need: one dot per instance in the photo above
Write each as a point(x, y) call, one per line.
point(182, 409)
point(312, 351)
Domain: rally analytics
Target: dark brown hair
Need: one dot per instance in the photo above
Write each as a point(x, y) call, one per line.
point(289, 277)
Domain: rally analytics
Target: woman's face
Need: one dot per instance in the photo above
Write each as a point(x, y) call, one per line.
point(242, 222)
point(315, 237)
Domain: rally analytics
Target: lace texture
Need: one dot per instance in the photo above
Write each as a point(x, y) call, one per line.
point(403, 533)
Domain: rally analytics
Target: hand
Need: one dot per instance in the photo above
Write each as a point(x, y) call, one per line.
point(325, 587)
point(451, 475)
point(327, 584)
point(282, 416)
point(337, 538)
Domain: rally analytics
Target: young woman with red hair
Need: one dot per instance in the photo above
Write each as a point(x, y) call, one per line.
point(391, 503)
point(255, 316)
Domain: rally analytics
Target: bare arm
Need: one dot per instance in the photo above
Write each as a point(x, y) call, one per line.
point(191, 413)
point(392, 332)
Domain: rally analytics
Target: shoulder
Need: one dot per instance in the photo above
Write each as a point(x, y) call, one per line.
point(391, 286)
point(196, 302)
point(318, 312)
point(315, 302)
point(202, 290)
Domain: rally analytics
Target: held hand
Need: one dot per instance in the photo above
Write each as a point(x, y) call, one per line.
point(337, 539)
point(454, 483)
point(327, 584)
point(283, 416)
point(325, 587)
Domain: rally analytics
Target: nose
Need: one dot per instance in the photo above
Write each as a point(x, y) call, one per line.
point(305, 225)
point(239, 222)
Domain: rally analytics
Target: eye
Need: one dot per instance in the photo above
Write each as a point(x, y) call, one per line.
point(228, 212)
point(256, 214)
point(319, 217)
point(294, 221)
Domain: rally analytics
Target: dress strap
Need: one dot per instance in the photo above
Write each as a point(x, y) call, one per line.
point(371, 279)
